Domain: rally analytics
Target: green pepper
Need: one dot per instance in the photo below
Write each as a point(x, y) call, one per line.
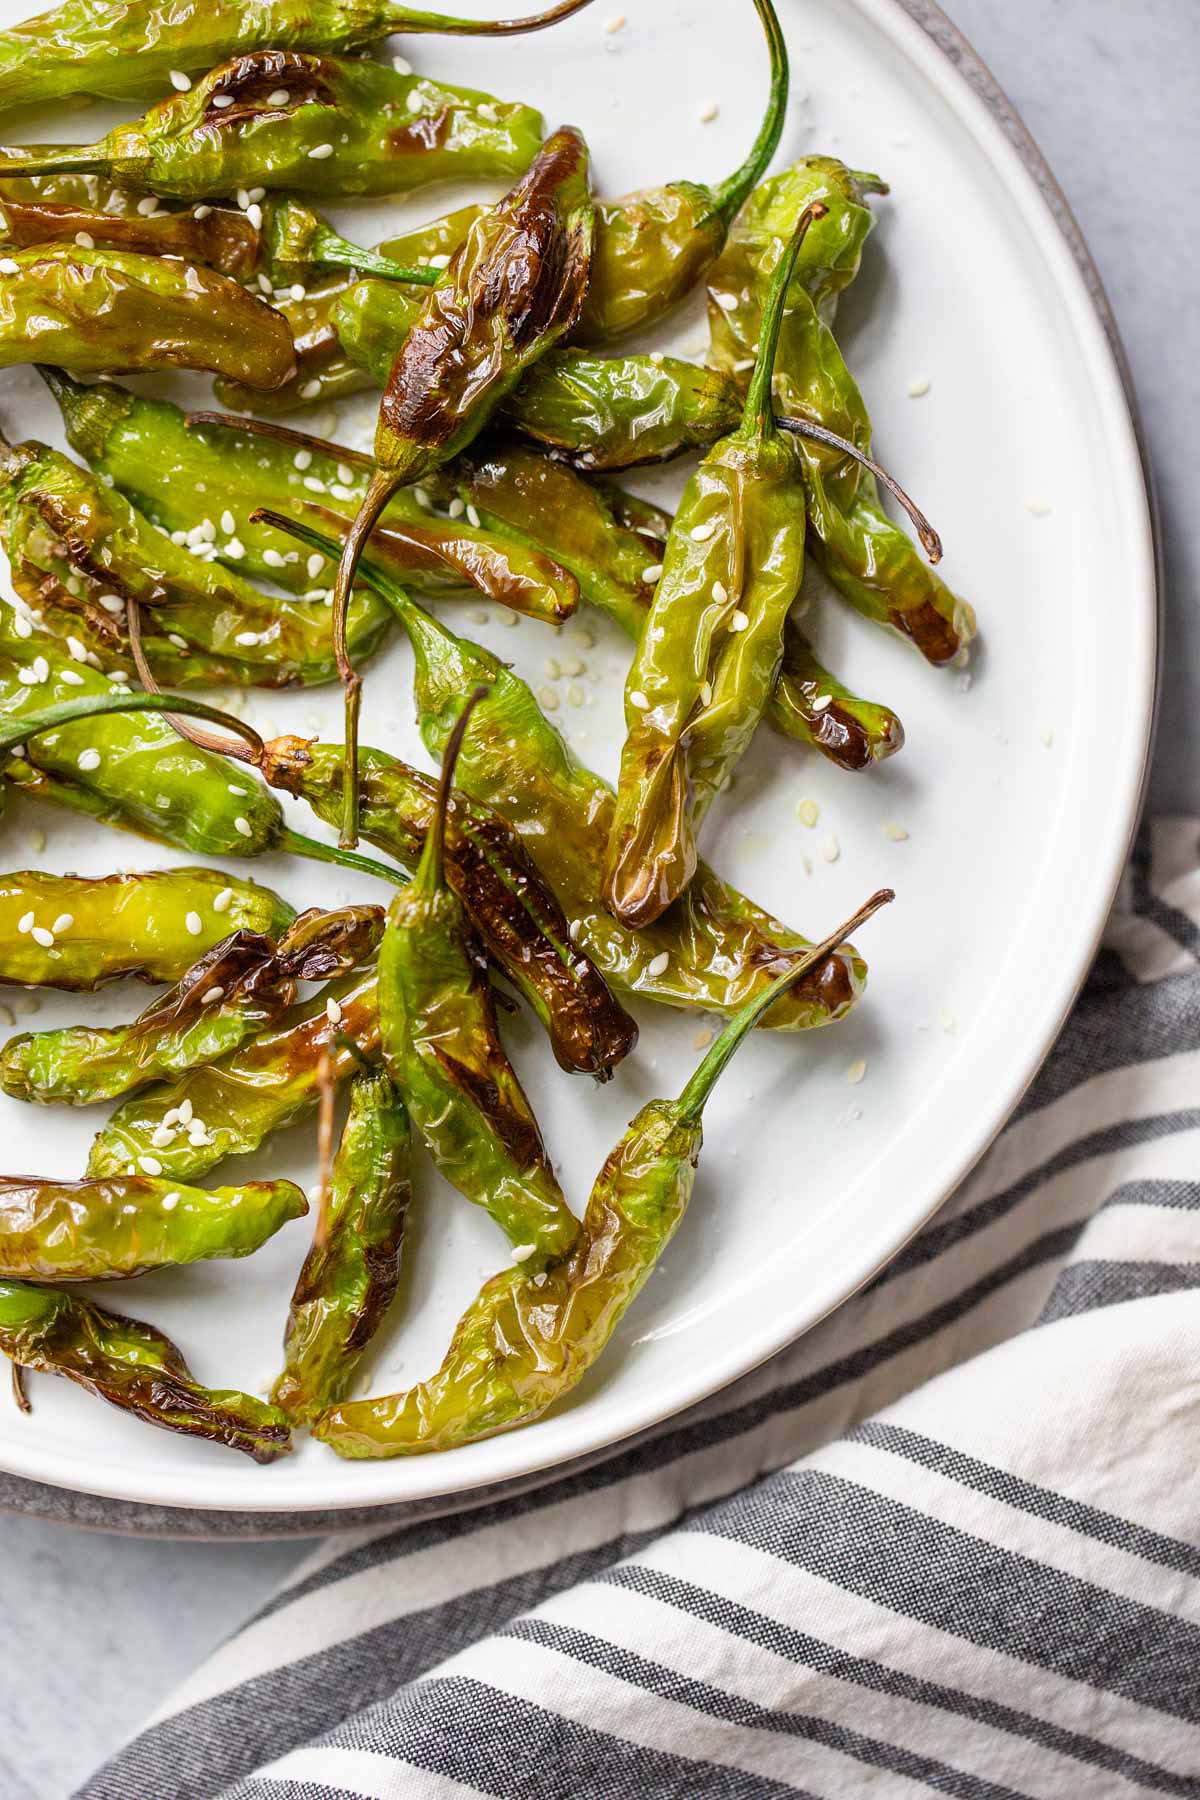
point(531, 1333)
point(511, 292)
point(108, 1230)
point(285, 119)
point(133, 1366)
point(441, 1046)
point(118, 50)
point(230, 994)
point(350, 1275)
point(510, 905)
point(231, 1107)
point(297, 241)
point(152, 925)
point(714, 949)
point(221, 237)
point(100, 312)
point(712, 644)
point(814, 707)
point(201, 473)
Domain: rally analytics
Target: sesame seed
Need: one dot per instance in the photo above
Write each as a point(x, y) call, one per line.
point(510, 618)
point(553, 668)
point(333, 1011)
point(319, 152)
point(221, 903)
point(149, 206)
point(41, 936)
point(416, 101)
point(72, 677)
point(548, 699)
point(1040, 509)
point(197, 1134)
point(575, 694)
point(702, 533)
point(726, 302)
point(706, 693)
point(85, 240)
point(1047, 735)
point(918, 387)
point(421, 496)
point(163, 1138)
point(652, 573)
point(179, 81)
point(297, 291)
point(522, 1252)
point(25, 922)
point(185, 1112)
point(658, 965)
point(638, 700)
point(856, 1071)
point(402, 65)
point(63, 923)
point(708, 112)
point(88, 759)
point(808, 812)
point(254, 214)
point(738, 620)
point(41, 668)
point(473, 517)
point(112, 603)
point(314, 565)
point(228, 523)
point(314, 484)
point(948, 1022)
point(457, 507)
point(264, 287)
point(180, 643)
point(76, 650)
point(235, 789)
point(831, 849)
point(310, 390)
point(242, 198)
point(194, 923)
point(345, 472)
point(235, 549)
point(257, 193)
point(341, 493)
point(27, 677)
point(720, 592)
point(574, 665)
point(149, 1165)
point(8, 266)
point(273, 559)
point(170, 1202)
point(439, 262)
point(895, 833)
point(22, 627)
point(822, 702)
point(212, 996)
point(243, 826)
point(201, 212)
point(280, 97)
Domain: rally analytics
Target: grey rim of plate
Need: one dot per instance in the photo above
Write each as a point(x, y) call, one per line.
point(35, 1499)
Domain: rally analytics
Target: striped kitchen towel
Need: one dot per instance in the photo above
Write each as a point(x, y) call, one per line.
point(948, 1543)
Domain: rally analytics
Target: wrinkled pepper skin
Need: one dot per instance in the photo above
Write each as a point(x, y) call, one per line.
point(180, 477)
point(720, 948)
point(531, 1333)
point(134, 1367)
point(441, 1046)
point(814, 707)
point(510, 905)
point(231, 994)
point(711, 648)
point(132, 49)
point(110, 1230)
point(122, 925)
point(350, 1275)
point(106, 312)
point(255, 121)
point(71, 540)
point(237, 1103)
point(223, 239)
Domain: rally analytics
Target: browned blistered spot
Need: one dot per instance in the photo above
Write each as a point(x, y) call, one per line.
point(252, 79)
point(46, 590)
point(830, 985)
point(383, 1278)
point(428, 131)
point(937, 638)
point(241, 964)
point(517, 1131)
point(842, 738)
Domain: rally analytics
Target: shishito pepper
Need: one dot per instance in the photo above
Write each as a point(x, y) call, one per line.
point(222, 237)
point(814, 707)
point(531, 1333)
point(296, 241)
point(350, 1275)
point(205, 471)
point(712, 643)
point(232, 993)
point(441, 1046)
point(103, 312)
point(285, 119)
point(511, 292)
point(714, 949)
point(130, 49)
point(109, 1230)
point(153, 925)
point(132, 1366)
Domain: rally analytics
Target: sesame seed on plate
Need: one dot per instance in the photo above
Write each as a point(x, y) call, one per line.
point(895, 833)
point(708, 112)
point(831, 849)
point(808, 812)
point(856, 1071)
point(918, 387)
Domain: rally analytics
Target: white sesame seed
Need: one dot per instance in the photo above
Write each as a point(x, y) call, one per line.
point(319, 152)
point(41, 936)
point(808, 812)
point(333, 1011)
point(1041, 509)
point(706, 693)
point(243, 826)
point(8, 266)
point(163, 1138)
point(553, 668)
point(233, 788)
point(895, 833)
point(221, 903)
point(658, 965)
point(242, 198)
point(345, 472)
point(421, 496)
point(85, 240)
point(201, 212)
point(27, 677)
point(180, 81)
point(180, 643)
point(402, 65)
point(652, 573)
point(831, 849)
point(822, 702)
point(314, 565)
point(473, 517)
point(197, 1134)
point(112, 603)
point(228, 523)
point(254, 214)
point(185, 1112)
point(918, 387)
point(297, 291)
point(279, 97)
point(510, 618)
point(548, 699)
point(149, 206)
point(314, 484)
point(273, 559)
point(149, 1165)
point(88, 760)
point(264, 287)
point(235, 549)
point(212, 996)
point(341, 493)
point(170, 1202)
point(416, 101)
point(25, 922)
point(63, 923)
point(41, 668)
point(194, 923)
point(75, 650)
point(726, 302)
point(457, 507)
point(720, 592)
point(1047, 735)
point(708, 112)
point(22, 627)
point(575, 694)
point(856, 1071)
point(702, 533)
point(738, 620)
point(948, 1022)
point(311, 390)
point(256, 194)
point(222, 100)
point(638, 700)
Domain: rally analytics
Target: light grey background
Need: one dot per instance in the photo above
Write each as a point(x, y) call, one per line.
point(99, 1628)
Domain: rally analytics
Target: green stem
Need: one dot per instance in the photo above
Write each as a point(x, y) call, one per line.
point(429, 876)
point(315, 851)
point(407, 18)
point(380, 489)
point(692, 1101)
point(329, 247)
point(90, 706)
point(731, 194)
point(55, 159)
point(758, 418)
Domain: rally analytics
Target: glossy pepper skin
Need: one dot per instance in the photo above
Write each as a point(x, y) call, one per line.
point(441, 1046)
point(871, 562)
point(510, 905)
point(79, 552)
point(223, 239)
point(814, 707)
point(712, 643)
point(375, 132)
point(104, 312)
point(350, 1275)
point(109, 1230)
point(236, 1104)
point(122, 925)
point(531, 1333)
point(178, 475)
point(132, 49)
point(134, 1367)
point(231, 994)
point(297, 241)
point(720, 948)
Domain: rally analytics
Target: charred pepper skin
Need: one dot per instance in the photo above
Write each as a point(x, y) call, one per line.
point(374, 131)
point(532, 1333)
point(134, 1367)
point(223, 239)
point(441, 1046)
point(107, 312)
point(111, 1230)
point(814, 707)
point(350, 1275)
point(131, 50)
point(123, 925)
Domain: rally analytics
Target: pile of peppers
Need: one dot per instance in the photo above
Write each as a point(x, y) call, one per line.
point(177, 551)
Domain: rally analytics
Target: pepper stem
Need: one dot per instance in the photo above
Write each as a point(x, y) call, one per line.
point(692, 1101)
point(328, 246)
point(759, 415)
point(407, 18)
point(931, 542)
point(312, 848)
point(54, 159)
point(428, 877)
point(14, 732)
point(729, 196)
point(380, 489)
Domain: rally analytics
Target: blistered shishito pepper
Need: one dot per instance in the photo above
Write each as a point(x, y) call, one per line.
point(131, 49)
point(874, 564)
point(222, 237)
point(511, 292)
point(297, 241)
point(284, 119)
point(108, 1230)
point(350, 1275)
point(531, 1333)
point(103, 312)
point(215, 471)
point(231, 1107)
point(510, 905)
point(232, 993)
point(712, 644)
point(714, 949)
point(153, 925)
point(441, 1046)
point(134, 1367)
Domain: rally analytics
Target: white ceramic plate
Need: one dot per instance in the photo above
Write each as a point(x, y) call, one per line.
point(1018, 793)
